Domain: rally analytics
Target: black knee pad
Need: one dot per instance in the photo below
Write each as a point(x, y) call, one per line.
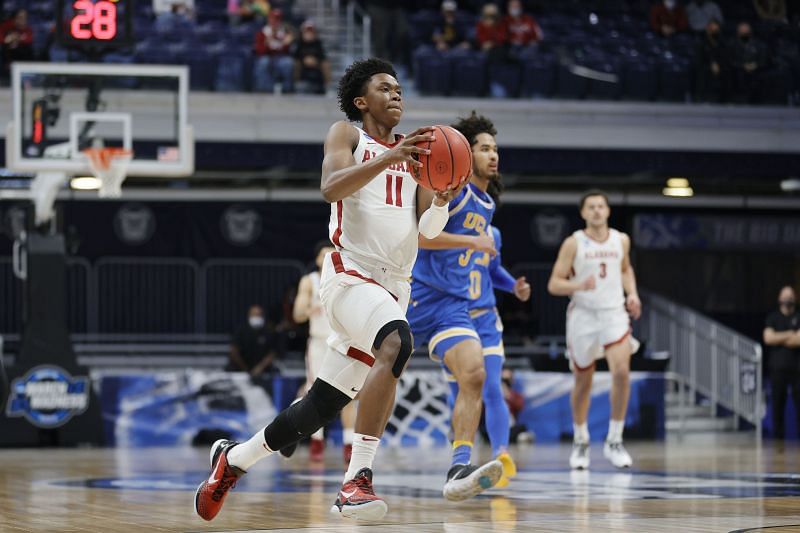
point(406, 343)
point(320, 406)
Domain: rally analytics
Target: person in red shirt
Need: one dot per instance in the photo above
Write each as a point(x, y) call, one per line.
point(491, 34)
point(274, 63)
point(522, 29)
point(16, 39)
point(668, 18)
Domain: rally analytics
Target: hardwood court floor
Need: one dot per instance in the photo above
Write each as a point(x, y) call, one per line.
point(717, 483)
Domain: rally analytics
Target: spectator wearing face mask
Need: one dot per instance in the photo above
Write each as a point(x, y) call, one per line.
point(782, 336)
point(253, 346)
point(521, 28)
point(712, 69)
point(16, 40)
point(491, 35)
point(448, 32)
point(668, 18)
point(749, 62)
point(701, 12)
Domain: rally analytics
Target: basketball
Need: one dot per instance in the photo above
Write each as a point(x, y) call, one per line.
point(449, 163)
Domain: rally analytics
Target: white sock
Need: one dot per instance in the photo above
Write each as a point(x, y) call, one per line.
point(347, 436)
point(364, 449)
point(319, 434)
point(580, 432)
point(248, 453)
point(615, 428)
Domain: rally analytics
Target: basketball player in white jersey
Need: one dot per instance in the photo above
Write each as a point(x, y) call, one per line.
point(377, 215)
point(594, 269)
point(308, 307)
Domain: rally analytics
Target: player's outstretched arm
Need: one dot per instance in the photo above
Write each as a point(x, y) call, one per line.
point(341, 176)
point(446, 241)
point(632, 302)
point(302, 302)
point(559, 283)
point(433, 210)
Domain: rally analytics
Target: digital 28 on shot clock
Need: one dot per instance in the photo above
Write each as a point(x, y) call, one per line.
point(94, 24)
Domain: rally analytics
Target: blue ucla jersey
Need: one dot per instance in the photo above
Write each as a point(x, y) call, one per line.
point(481, 288)
point(448, 271)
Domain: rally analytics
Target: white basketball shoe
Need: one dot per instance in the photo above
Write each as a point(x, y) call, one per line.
point(579, 458)
point(616, 453)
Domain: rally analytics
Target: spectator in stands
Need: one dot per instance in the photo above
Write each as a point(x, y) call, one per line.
point(247, 10)
point(171, 11)
point(491, 34)
point(782, 335)
point(749, 63)
point(771, 10)
point(521, 28)
point(701, 12)
point(253, 347)
point(668, 18)
point(448, 33)
point(16, 39)
point(274, 63)
point(312, 71)
point(712, 68)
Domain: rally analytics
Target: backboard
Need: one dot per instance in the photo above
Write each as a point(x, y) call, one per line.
point(60, 109)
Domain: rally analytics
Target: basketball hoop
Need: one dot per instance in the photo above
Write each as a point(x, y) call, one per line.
point(109, 165)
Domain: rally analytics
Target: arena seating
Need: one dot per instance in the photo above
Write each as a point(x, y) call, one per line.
point(611, 37)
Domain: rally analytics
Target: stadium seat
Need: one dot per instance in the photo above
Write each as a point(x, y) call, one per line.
point(639, 80)
point(673, 81)
point(432, 71)
point(538, 77)
point(468, 69)
point(569, 85)
point(505, 80)
point(601, 89)
point(230, 73)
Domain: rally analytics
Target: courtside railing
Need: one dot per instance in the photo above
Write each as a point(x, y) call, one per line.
point(706, 359)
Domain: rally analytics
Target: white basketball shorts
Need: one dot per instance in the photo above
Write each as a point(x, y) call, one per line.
point(357, 307)
point(591, 331)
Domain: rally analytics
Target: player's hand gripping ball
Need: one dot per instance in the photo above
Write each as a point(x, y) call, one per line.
point(448, 165)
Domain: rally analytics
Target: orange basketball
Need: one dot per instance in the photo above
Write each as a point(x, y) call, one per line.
point(449, 163)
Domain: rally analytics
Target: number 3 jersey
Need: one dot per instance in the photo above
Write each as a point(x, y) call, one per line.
point(379, 221)
point(604, 261)
point(449, 270)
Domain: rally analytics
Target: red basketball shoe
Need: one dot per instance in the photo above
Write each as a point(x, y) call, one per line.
point(317, 450)
point(358, 500)
point(211, 493)
point(347, 452)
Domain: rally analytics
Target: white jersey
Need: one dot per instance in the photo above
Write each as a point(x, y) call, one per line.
point(379, 221)
point(318, 325)
point(604, 261)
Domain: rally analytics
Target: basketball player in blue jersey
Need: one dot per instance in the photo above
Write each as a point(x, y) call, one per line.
point(439, 309)
point(488, 275)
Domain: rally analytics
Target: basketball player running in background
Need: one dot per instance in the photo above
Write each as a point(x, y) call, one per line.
point(439, 311)
point(308, 307)
point(593, 268)
point(377, 214)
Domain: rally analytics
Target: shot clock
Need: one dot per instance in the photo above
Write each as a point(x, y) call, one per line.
point(95, 25)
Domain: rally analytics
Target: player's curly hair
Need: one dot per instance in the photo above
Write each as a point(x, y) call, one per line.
point(472, 126)
point(354, 83)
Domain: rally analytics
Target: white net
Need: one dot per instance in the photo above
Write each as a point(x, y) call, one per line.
point(110, 166)
point(421, 416)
